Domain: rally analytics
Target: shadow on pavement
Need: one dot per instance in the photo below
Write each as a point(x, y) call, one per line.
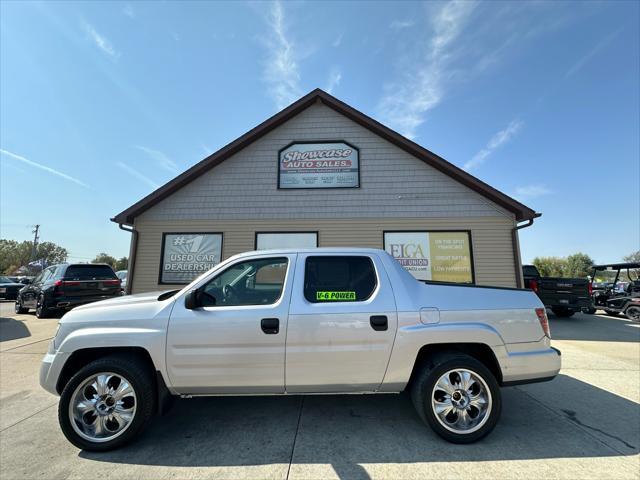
point(349, 430)
point(11, 329)
point(597, 328)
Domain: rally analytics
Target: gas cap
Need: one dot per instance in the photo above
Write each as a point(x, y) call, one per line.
point(429, 315)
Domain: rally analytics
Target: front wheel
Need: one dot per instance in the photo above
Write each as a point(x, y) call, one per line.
point(107, 403)
point(633, 313)
point(590, 311)
point(458, 397)
point(19, 307)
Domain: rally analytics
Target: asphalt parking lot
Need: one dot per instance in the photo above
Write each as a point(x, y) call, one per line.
point(584, 424)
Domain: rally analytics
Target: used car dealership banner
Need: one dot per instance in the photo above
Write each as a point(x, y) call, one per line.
point(318, 165)
point(438, 256)
point(185, 256)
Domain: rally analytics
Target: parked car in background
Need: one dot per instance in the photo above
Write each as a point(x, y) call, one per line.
point(62, 287)
point(621, 292)
point(336, 320)
point(122, 275)
point(9, 288)
point(564, 296)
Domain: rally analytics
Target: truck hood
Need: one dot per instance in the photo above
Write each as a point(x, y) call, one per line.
point(147, 297)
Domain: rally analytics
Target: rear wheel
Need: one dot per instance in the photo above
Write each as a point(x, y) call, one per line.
point(19, 307)
point(107, 403)
point(633, 313)
point(590, 311)
point(41, 310)
point(457, 396)
point(562, 312)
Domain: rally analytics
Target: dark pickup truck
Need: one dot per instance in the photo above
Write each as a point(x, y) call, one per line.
point(564, 296)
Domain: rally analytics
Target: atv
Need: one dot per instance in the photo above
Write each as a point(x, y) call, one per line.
point(616, 289)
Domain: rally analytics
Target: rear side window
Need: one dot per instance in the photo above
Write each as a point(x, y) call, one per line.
point(530, 271)
point(339, 279)
point(89, 272)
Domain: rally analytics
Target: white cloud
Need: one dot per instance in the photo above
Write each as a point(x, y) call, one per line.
point(162, 160)
point(334, 80)
point(135, 173)
point(401, 24)
point(128, 10)
point(591, 53)
point(500, 138)
point(281, 69)
point(338, 41)
point(44, 167)
point(101, 41)
point(531, 191)
point(405, 103)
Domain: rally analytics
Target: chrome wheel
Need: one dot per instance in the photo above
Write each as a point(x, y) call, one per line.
point(633, 313)
point(102, 407)
point(461, 401)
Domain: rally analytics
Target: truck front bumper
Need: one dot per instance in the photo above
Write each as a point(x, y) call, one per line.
point(531, 366)
point(50, 369)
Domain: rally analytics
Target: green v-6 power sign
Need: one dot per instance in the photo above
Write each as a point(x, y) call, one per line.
point(319, 165)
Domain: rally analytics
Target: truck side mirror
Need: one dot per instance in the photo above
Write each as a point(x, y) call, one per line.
point(192, 299)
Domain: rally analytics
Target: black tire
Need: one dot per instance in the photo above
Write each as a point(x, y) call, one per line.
point(633, 313)
point(41, 310)
point(425, 380)
point(19, 308)
point(590, 311)
point(563, 312)
point(143, 384)
point(611, 313)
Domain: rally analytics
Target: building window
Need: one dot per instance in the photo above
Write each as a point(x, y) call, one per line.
point(436, 256)
point(271, 240)
point(186, 256)
point(254, 282)
point(339, 279)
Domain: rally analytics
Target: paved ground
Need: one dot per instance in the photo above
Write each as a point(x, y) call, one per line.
point(584, 424)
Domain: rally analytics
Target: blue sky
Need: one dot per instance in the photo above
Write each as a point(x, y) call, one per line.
point(103, 102)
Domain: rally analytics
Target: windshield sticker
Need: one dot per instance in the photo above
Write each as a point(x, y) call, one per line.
point(335, 296)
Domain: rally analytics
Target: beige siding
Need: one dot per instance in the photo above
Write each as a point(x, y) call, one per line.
point(491, 238)
point(393, 182)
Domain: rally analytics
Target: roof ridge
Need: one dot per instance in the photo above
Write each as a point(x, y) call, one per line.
point(521, 211)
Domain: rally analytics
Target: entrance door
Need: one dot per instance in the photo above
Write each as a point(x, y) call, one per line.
point(235, 342)
point(342, 324)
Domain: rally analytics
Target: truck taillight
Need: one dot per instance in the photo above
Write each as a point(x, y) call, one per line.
point(590, 288)
point(533, 284)
point(544, 321)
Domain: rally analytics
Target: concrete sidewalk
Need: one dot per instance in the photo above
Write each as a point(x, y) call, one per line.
point(584, 424)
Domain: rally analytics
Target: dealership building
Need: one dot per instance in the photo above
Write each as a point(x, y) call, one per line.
point(320, 173)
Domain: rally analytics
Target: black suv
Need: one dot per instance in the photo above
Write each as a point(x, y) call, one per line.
point(62, 287)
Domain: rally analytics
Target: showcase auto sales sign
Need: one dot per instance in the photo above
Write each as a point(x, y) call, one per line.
point(319, 165)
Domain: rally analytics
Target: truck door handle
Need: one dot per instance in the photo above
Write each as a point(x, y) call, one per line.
point(379, 322)
point(270, 326)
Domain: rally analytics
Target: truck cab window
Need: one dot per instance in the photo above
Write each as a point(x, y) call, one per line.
point(255, 282)
point(339, 279)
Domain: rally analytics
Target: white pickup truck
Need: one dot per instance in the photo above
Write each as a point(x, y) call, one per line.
point(295, 322)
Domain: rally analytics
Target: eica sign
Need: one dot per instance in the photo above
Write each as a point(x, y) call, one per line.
point(319, 165)
point(439, 256)
point(187, 255)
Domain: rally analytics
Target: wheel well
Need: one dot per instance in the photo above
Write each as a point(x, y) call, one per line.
point(479, 351)
point(82, 357)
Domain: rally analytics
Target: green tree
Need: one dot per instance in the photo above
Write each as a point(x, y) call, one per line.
point(578, 265)
point(105, 258)
point(550, 266)
point(122, 264)
point(15, 254)
point(632, 257)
